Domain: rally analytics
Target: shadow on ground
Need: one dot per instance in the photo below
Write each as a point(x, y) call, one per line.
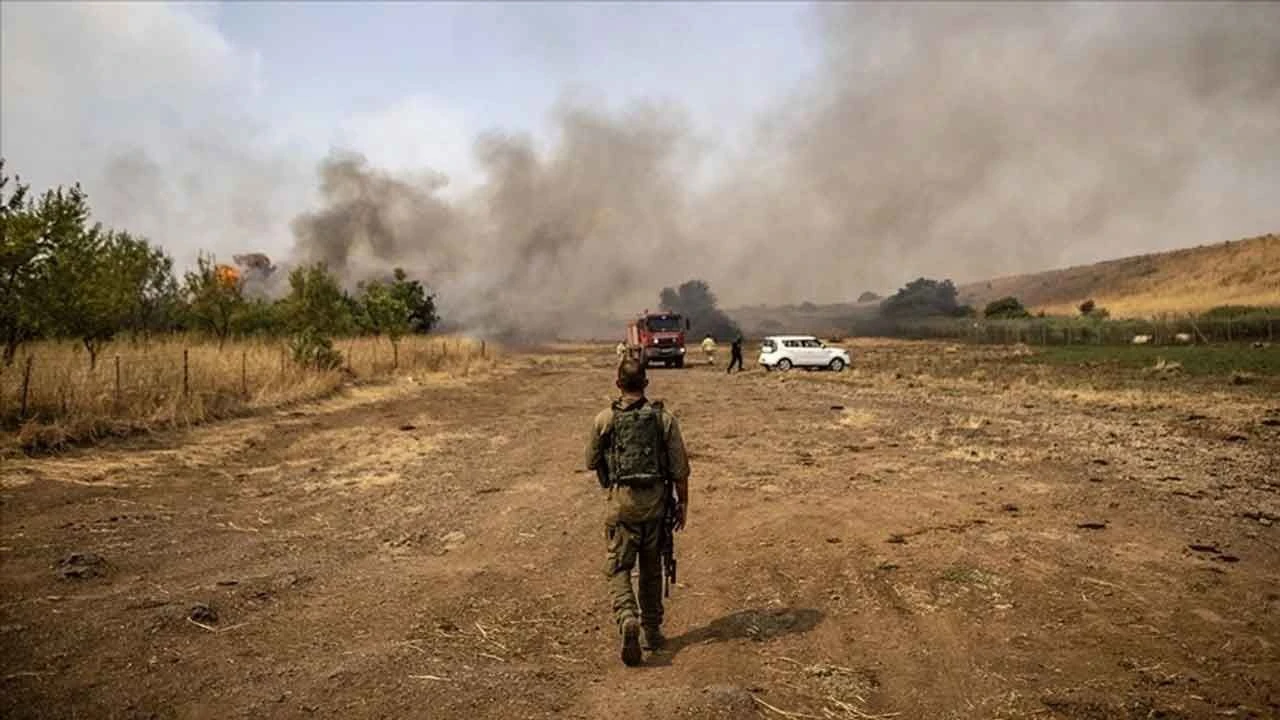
point(757, 625)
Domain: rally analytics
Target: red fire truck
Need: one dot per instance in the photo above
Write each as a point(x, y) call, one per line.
point(658, 337)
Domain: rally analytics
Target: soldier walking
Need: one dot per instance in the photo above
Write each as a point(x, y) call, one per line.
point(736, 351)
point(709, 349)
point(636, 449)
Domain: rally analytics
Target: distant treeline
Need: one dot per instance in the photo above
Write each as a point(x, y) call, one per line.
point(928, 308)
point(64, 276)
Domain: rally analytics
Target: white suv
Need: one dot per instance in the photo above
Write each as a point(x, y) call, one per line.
point(783, 352)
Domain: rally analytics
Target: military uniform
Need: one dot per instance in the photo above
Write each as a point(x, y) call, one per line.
point(635, 511)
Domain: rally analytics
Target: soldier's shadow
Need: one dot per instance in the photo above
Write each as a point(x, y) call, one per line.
point(757, 625)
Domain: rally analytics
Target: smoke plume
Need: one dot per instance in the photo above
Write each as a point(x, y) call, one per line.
point(947, 140)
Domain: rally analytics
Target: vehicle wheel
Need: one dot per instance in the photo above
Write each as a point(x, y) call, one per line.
point(784, 364)
point(680, 363)
point(836, 365)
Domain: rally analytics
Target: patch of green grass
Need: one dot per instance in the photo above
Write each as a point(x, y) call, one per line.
point(963, 574)
point(1196, 360)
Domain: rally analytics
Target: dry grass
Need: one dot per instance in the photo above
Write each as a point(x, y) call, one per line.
point(1244, 272)
point(141, 387)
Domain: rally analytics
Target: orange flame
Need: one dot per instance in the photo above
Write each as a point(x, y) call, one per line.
point(226, 275)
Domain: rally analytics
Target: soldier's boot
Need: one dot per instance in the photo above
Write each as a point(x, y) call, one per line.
point(652, 638)
point(631, 642)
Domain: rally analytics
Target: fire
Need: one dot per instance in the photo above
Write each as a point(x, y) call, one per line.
point(226, 275)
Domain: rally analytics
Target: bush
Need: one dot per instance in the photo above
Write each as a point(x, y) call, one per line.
point(1006, 307)
point(312, 350)
point(922, 298)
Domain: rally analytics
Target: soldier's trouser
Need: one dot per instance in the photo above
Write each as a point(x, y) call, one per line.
point(629, 542)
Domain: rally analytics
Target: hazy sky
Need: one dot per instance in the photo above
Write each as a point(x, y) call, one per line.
point(784, 152)
point(410, 85)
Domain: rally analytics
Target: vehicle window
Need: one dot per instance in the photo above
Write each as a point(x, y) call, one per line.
point(812, 344)
point(665, 323)
point(768, 346)
point(789, 343)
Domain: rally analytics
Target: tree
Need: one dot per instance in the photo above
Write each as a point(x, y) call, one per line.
point(923, 298)
point(695, 301)
point(316, 301)
point(213, 302)
point(1087, 307)
point(23, 253)
point(149, 271)
point(867, 297)
point(95, 287)
point(383, 313)
point(420, 305)
point(1006, 308)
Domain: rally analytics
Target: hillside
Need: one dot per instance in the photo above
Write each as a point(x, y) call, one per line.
point(1243, 272)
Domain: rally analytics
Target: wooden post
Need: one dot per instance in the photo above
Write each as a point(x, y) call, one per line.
point(395, 356)
point(186, 374)
point(244, 373)
point(482, 347)
point(117, 383)
point(26, 388)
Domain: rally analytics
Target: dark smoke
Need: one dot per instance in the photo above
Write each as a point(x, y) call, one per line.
point(947, 140)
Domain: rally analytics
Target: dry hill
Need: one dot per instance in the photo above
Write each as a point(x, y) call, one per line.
point(1243, 272)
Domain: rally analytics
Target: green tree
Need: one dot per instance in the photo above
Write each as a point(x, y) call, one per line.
point(382, 313)
point(259, 317)
point(317, 302)
point(149, 271)
point(1006, 308)
point(23, 252)
point(923, 298)
point(1087, 307)
point(94, 291)
point(31, 233)
point(212, 303)
point(421, 306)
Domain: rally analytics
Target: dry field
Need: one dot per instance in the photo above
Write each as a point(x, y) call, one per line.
point(180, 381)
point(939, 532)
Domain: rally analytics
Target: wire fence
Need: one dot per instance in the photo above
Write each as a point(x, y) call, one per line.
point(178, 380)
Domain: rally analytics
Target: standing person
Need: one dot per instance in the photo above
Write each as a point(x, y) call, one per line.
point(709, 349)
point(736, 359)
point(636, 449)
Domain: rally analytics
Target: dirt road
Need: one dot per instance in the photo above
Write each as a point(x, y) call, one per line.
point(941, 542)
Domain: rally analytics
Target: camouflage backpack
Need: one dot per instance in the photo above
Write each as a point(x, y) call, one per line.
point(637, 449)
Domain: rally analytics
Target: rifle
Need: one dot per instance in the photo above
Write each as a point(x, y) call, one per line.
point(667, 541)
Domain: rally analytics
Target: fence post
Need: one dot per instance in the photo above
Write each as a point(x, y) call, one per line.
point(244, 373)
point(395, 356)
point(117, 383)
point(482, 348)
point(26, 387)
point(186, 374)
